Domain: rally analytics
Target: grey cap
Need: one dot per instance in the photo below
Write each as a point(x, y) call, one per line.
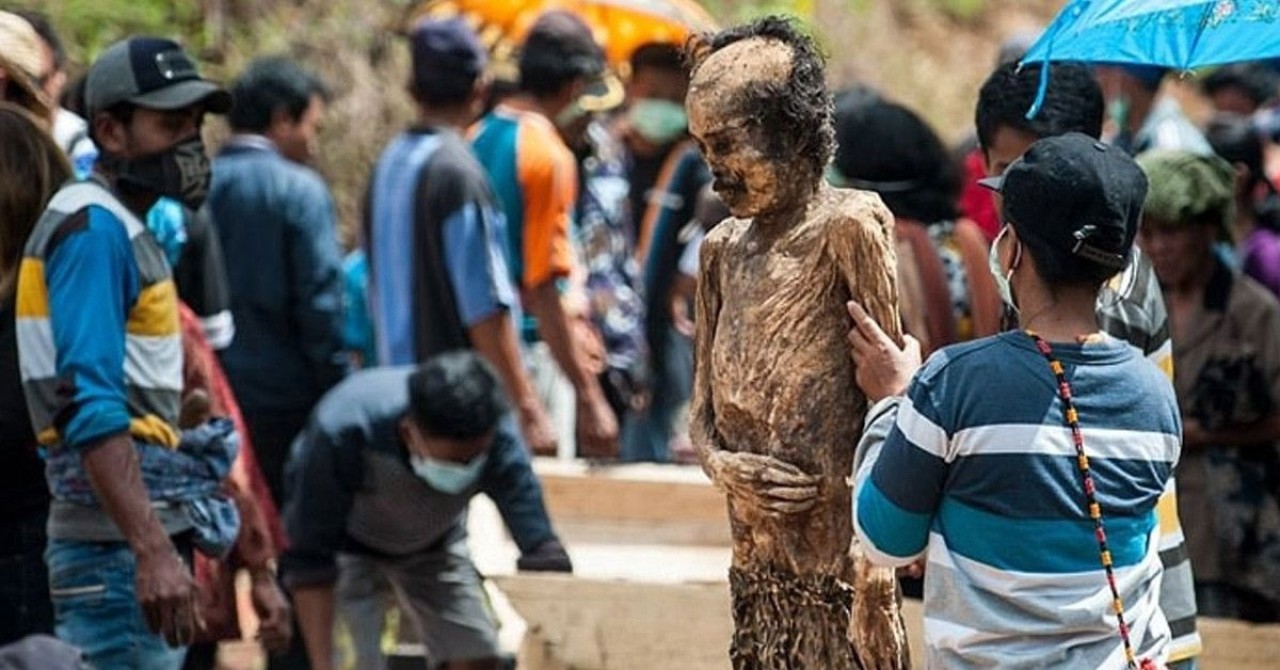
point(150, 72)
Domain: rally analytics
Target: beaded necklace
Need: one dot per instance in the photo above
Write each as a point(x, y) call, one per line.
point(1072, 419)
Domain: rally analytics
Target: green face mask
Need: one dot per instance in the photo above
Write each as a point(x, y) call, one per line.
point(658, 121)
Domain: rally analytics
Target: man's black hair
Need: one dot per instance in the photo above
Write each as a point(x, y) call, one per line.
point(1238, 140)
point(121, 111)
point(1073, 102)
point(40, 22)
point(456, 395)
point(658, 56)
point(443, 89)
point(558, 50)
point(885, 147)
point(271, 84)
point(1257, 81)
point(796, 111)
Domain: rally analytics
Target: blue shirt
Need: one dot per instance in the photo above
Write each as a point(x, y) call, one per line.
point(979, 475)
point(275, 220)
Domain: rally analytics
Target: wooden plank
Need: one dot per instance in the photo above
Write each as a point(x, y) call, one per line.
point(614, 625)
point(639, 503)
point(589, 624)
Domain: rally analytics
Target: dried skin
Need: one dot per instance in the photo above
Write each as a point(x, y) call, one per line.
point(775, 399)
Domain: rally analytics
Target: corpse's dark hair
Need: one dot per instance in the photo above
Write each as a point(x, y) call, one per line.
point(456, 395)
point(1073, 102)
point(797, 110)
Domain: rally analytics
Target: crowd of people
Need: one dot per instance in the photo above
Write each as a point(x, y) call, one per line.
point(198, 380)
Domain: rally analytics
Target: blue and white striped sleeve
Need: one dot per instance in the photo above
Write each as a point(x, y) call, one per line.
point(899, 486)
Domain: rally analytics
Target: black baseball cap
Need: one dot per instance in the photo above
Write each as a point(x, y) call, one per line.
point(563, 39)
point(446, 50)
point(1074, 195)
point(150, 72)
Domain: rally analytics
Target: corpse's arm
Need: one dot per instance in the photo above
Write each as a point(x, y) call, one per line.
point(753, 480)
point(862, 247)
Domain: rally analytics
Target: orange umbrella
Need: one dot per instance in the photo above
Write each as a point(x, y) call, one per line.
point(619, 25)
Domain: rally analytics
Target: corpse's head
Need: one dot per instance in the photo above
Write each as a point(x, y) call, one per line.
point(760, 111)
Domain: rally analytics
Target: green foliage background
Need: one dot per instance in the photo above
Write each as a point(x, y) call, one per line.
point(916, 50)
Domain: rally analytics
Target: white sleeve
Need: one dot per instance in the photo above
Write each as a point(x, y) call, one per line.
point(689, 259)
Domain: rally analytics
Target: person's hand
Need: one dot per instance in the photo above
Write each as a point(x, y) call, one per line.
point(764, 482)
point(884, 368)
point(167, 594)
point(537, 430)
point(550, 556)
point(680, 310)
point(1193, 433)
point(597, 427)
point(914, 570)
point(275, 620)
point(196, 409)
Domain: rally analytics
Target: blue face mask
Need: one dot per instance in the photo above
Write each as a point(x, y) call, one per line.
point(447, 477)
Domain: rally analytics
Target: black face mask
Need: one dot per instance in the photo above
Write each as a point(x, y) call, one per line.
point(181, 172)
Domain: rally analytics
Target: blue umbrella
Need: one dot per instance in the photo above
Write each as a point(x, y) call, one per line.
point(1178, 34)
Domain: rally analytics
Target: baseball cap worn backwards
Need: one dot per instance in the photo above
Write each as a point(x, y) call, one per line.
point(446, 49)
point(153, 73)
point(1074, 195)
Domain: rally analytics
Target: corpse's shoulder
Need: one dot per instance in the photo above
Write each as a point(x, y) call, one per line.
point(724, 234)
point(851, 212)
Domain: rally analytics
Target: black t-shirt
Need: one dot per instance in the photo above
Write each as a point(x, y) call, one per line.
point(23, 490)
point(643, 175)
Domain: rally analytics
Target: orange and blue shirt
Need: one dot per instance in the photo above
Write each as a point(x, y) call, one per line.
point(535, 178)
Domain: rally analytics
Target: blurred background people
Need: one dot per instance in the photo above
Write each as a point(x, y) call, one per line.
point(1226, 335)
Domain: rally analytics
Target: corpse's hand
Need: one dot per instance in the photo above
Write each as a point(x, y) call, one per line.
point(275, 621)
point(763, 482)
point(884, 368)
point(550, 556)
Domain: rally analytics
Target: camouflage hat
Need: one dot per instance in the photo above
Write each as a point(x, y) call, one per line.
point(1189, 188)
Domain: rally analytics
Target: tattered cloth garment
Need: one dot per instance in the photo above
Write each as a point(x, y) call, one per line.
point(785, 621)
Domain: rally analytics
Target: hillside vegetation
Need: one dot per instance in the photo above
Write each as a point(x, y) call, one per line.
point(930, 54)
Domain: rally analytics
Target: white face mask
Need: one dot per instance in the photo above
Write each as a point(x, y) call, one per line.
point(1002, 278)
point(447, 477)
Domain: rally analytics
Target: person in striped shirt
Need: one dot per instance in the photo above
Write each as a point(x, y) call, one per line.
point(1130, 305)
point(974, 465)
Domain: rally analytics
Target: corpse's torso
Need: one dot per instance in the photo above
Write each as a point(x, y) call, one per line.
point(781, 375)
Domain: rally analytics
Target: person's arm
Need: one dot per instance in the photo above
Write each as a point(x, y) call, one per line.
point(314, 605)
point(316, 265)
point(510, 482)
point(321, 479)
point(898, 488)
point(92, 279)
point(549, 181)
point(486, 300)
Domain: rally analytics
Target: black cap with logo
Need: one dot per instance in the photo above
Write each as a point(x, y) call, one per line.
point(153, 73)
point(1074, 195)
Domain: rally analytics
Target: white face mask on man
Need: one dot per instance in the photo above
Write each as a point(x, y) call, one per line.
point(447, 477)
point(1002, 277)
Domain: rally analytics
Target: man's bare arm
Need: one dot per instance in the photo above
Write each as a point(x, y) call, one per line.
point(314, 605)
point(164, 587)
point(597, 427)
point(494, 338)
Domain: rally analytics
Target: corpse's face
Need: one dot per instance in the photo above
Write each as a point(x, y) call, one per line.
point(749, 180)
